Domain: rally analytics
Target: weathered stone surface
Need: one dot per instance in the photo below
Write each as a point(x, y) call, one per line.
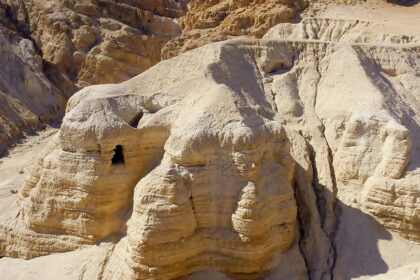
point(244, 159)
point(27, 97)
point(235, 157)
point(211, 21)
point(50, 49)
point(100, 41)
point(216, 20)
point(374, 157)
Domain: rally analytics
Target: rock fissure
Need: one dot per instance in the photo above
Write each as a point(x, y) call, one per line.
point(302, 211)
point(322, 207)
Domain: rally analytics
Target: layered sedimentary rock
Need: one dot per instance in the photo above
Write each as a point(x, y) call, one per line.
point(375, 159)
point(186, 188)
point(234, 158)
point(50, 49)
point(211, 21)
point(217, 20)
point(100, 41)
point(27, 97)
point(87, 42)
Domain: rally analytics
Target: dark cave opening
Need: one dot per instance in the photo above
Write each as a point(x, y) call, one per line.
point(118, 157)
point(135, 121)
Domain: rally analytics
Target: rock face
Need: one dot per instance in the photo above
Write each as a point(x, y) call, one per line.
point(192, 202)
point(375, 160)
point(99, 41)
point(53, 48)
point(211, 21)
point(27, 97)
point(216, 20)
point(234, 158)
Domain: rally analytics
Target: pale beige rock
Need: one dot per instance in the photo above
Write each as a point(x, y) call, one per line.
point(189, 183)
point(408, 272)
point(209, 21)
point(27, 98)
point(244, 159)
point(370, 135)
point(217, 20)
point(95, 42)
point(49, 49)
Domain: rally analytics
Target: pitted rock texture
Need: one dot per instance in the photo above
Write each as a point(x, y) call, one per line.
point(88, 42)
point(211, 21)
point(50, 49)
point(234, 157)
point(374, 156)
point(27, 97)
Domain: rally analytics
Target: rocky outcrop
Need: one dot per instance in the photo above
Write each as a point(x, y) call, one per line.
point(208, 21)
point(235, 158)
point(211, 21)
point(374, 156)
point(53, 48)
point(27, 97)
point(191, 203)
point(98, 41)
point(87, 42)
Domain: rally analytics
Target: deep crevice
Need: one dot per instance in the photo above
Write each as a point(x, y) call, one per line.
point(135, 121)
point(336, 208)
point(337, 213)
point(320, 191)
point(303, 212)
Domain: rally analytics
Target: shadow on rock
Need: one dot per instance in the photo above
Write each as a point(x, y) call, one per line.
point(356, 243)
point(406, 3)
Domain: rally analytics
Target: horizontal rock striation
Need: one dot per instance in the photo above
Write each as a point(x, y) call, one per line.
point(51, 49)
point(99, 41)
point(28, 98)
point(211, 21)
point(234, 157)
point(370, 135)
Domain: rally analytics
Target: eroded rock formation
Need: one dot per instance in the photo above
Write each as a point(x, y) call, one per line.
point(100, 41)
point(234, 157)
point(50, 49)
point(375, 159)
point(212, 21)
point(27, 96)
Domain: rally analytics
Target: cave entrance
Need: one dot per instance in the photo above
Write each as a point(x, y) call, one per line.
point(135, 121)
point(118, 157)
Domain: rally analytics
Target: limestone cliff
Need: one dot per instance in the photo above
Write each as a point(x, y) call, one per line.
point(100, 41)
point(27, 97)
point(209, 21)
point(212, 21)
point(51, 49)
point(236, 158)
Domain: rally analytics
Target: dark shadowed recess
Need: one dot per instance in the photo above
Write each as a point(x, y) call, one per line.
point(406, 3)
point(118, 157)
